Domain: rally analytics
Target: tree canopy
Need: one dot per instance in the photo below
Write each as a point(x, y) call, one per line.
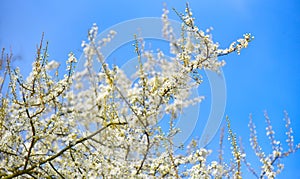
point(101, 124)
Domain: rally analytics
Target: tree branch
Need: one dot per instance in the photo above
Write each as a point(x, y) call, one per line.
point(25, 171)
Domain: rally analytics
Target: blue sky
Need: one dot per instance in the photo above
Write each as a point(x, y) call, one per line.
point(266, 76)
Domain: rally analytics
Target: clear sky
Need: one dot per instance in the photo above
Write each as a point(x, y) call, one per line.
point(266, 76)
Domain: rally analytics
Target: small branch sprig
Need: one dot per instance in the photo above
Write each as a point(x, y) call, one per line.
point(236, 152)
point(271, 165)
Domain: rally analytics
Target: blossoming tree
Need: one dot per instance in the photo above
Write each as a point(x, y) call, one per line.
point(56, 128)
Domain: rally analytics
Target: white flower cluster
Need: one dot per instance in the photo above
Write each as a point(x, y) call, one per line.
point(196, 48)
